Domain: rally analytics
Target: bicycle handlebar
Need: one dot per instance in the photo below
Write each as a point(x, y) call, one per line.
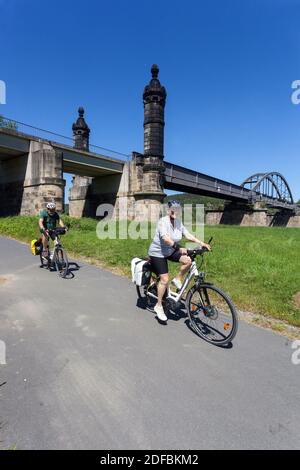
point(199, 251)
point(58, 231)
point(196, 251)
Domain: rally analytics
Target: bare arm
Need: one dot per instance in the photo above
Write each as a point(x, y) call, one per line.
point(191, 238)
point(168, 240)
point(171, 243)
point(41, 224)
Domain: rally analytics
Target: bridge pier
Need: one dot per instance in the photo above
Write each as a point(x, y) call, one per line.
point(29, 181)
point(43, 179)
point(237, 216)
point(88, 194)
point(251, 216)
point(79, 200)
point(284, 218)
point(12, 174)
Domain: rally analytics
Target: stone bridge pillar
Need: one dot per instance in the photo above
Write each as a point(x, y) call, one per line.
point(150, 195)
point(79, 195)
point(43, 179)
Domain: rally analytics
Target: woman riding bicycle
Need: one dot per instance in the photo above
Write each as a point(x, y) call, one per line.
point(165, 246)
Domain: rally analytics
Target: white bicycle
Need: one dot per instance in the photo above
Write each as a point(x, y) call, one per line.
point(211, 313)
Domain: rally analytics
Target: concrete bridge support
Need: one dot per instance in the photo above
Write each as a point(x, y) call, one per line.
point(88, 194)
point(12, 174)
point(80, 197)
point(43, 179)
point(239, 216)
point(29, 181)
point(251, 216)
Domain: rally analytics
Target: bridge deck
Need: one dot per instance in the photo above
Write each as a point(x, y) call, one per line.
point(183, 179)
point(15, 143)
point(179, 178)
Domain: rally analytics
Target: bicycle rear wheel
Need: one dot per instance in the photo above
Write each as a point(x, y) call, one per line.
point(61, 262)
point(211, 313)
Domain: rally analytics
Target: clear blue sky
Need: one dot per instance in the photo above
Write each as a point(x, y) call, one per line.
point(227, 66)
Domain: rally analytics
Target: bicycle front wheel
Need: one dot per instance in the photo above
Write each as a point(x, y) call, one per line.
point(212, 314)
point(61, 262)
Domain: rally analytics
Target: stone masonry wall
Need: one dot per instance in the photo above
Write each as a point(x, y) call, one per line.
point(256, 218)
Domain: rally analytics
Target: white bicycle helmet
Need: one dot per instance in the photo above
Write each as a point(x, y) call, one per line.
point(174, 204)
point(51, 205)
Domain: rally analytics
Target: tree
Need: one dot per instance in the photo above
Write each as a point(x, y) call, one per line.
point(7, 124)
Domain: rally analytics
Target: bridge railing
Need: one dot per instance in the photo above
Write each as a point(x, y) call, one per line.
point(12, 124)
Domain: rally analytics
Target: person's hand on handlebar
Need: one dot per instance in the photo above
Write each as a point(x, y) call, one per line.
point(206, 245)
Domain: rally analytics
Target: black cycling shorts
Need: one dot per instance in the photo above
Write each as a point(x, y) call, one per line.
point(160, 265)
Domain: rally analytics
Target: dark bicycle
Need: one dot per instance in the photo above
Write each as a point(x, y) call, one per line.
point(212, 315)
point(58, 259)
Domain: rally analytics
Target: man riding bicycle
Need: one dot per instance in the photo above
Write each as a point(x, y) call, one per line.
point(48, 220)
point(165, 246)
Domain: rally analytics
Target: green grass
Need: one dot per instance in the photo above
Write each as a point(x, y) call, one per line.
point(259, 267)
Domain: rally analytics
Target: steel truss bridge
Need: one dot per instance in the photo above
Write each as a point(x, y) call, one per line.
point(270, 188)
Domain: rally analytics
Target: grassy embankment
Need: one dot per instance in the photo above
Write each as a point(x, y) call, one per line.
point(258, 267)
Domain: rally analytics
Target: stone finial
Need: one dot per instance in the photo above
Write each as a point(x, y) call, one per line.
point(80, 124)
point(155, 91)
point(154, 71)
point(81, 131)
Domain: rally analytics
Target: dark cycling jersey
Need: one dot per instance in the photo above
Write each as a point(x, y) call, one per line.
point(50, 221)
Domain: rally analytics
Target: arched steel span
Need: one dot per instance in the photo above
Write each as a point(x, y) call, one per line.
point(270, 185)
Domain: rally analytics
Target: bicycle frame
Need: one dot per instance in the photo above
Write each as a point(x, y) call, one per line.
point(176, 296)
point(56, 244)
point(56, 241)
